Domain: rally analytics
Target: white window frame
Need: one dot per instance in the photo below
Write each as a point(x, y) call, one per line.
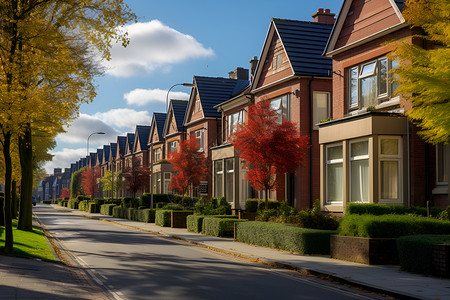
point(173, 146)
point(200, 139)
point(315, 117)
point(215, 179)
point(167, 180)
point(439, 162)
point(279, 109)
point(356, 158)
point(238, 117)
point(331, 162)
point(387, 157)
point(229, 171)
point(157, 154)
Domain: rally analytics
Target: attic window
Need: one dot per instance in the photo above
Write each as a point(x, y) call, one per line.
point(277, 61)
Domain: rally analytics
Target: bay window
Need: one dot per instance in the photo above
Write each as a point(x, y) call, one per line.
point(234, 120)
point(390, 168)
point(229, 179)
point(334, 174)
point(218, 178)
point(167, 180)
point(359, 171)
point(369, 84)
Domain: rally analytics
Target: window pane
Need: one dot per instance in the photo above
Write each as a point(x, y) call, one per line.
point(389, 146)
point(394, 85)
point(334, 183)
point(334, 152)
point(368, 69)
point(360, 148)
point(389, 179)
point(359, 180)
point(353, 87)
point(382, 75)
point(218, 180)
point(320, 108)
point(443, 155)
point(229, 180)
point(369, 91)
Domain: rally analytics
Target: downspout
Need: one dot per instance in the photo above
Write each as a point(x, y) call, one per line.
point(311, 200)
point(409, 162)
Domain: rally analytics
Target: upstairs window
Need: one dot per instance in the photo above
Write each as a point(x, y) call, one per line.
point(234, 120)
point(321, 107)
point(156, 154)
point(442, 158)
point(173, 146)
point(200, 139)
point(282, 106)
point(369, 84)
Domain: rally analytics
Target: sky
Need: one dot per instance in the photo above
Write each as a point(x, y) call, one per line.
point(172, 41)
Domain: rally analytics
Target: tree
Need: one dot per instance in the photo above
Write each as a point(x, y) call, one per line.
point(76, 183)
point(189, 165)
point(424, 74)
point(136, 176)
point(268, 147)
point(109, 183)
point(89, 181)
point(65, 193)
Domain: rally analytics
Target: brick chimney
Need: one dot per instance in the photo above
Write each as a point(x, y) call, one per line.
point(324, 16)
point(239, 73)
point(253, 62)
point(57, 171)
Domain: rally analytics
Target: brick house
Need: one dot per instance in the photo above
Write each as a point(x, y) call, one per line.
point(294, 76)
point(370, 152)
point(119, 160)
point(156, 144)
point(128, 156)
point(204, 121)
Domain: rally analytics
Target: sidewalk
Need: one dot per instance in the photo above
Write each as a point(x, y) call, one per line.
point(388, 279)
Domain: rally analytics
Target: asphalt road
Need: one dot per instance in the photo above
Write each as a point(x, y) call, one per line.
point(131, 264)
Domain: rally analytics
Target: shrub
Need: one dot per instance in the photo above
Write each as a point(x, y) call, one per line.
point(93, 208)
point(251, 205)
point(445, 214)
point(172, 206)
point(99, 201)
point(73, 203)
point(254, 205)
point(145, 199)
point(128, 202)
point(81, 198)
point(213, 206)
point(120, 212)
point(194, 222)
point(163, 218)
point(107, 209)
point(223, 227)
point(284, 237)
point(383, 209)
point(415, 252)
point(83, 205)
point(146, 215)
point(160, 205)
point(390, 226)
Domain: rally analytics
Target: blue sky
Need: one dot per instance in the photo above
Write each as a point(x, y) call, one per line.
point(172, 41)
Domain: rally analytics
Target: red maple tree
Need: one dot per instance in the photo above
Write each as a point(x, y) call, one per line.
point(89, 181)
point(189, 165)
point(268, 147)
point(65, 193)
point(136, 176)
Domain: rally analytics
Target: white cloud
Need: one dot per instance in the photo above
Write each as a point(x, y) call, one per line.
point(124, 118)
point(153, 45)
point(142, 97)
point(63, 159)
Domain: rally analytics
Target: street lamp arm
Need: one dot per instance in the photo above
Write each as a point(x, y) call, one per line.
point(167, 95)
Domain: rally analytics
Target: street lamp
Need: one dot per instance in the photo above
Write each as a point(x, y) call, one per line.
point(87, 147)
point(167, 96)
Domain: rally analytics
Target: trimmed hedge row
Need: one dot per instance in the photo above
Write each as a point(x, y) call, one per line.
point(284, 237)
point(107, 209)
point(195, 222)
point(383, 209)
point(222, 227)
point(415, 252)
point(73, 203)
point(253, 205)
point(146, 215)
point(390, 226)
point(163, 218)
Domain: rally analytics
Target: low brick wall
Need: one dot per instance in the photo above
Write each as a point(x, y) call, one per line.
point(179, 218)
point(364, 250)
point(441, 260)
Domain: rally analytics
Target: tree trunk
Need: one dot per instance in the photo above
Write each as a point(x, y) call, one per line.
point(266, 198)
point(26, 188)
point(9, 240)
point(14, 200)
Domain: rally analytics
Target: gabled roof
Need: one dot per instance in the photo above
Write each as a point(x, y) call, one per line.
point(121, 143)
point(160, 119)
point(397, 5)
point(303, 43)
point(93, 159)
point(215, 90)
point(129, 143)
point(99, 156)
point(179, 110)
point(106, 152)
point(113, 147)
point(141, 137)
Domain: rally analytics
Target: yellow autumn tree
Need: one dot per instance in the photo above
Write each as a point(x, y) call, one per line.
point(424, 74)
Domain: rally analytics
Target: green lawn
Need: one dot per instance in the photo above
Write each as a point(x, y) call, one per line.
point(28, 243)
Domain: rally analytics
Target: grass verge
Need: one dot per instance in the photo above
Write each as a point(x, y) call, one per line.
point(30, 244)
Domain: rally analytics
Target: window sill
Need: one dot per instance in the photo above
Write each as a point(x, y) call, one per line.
point(392, 102)
point(440, 190)
point(333, 207)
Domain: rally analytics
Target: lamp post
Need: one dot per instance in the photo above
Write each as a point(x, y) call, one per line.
point(167, 96)
point(87, 147)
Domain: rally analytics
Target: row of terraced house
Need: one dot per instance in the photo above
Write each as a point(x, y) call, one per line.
point(328, 69)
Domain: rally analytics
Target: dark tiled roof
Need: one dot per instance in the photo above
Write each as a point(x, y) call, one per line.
point(143, 131)
point(121, 141)
point(93, 159)
point(113, 147)
point(304, 43)
point(215, 90)
point(83, 162)
point(100, 155)
point(160, 119)
point(130, 139)
point(179, 110)
point(400, 4)
point(106, 149)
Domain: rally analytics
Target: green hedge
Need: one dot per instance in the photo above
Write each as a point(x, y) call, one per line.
point(284, 237)
point(163, 218)
point(222, 227)
point(391, 226)
point(383, 209)
point(145, 199)
point(194, 222)
point(83, 205)
point(253, 205)
point(120, 212)
point(107, 209)
point(93, 208)
point(73, 203)
point(415, 252)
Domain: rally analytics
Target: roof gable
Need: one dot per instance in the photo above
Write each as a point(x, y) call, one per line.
point(361, 21)
point(141, 138)
point(113, 151)
point(301, 44)
point(121, 143)
point(99, 157)
point(129, 144)
point(106, 152)
point(175, 116)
